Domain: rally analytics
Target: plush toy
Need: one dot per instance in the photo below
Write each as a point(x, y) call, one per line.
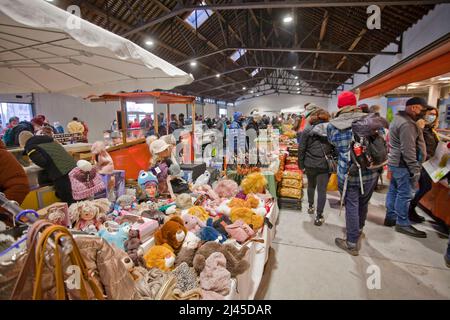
point(208, 233)
point(103, 205)
point(183, 201)
point(260, 208)
point(102, 159)
point(125, 202)
point(218, 224)
point(223, 208)
point(199, 212)
point(193, 223)
point(206, 190)
point(136, 272)
point(148, 184)
point(215, 276)
point(117, 238)
point(238, 203)
point(132, 246)
point(235, 262)
point(202, 179)
point(85, 215)
point(161, 257)
point(254, 183)
point(188, 249)
point(192, 241)
point(172, 232)
point(226, 188)
point(248, 216)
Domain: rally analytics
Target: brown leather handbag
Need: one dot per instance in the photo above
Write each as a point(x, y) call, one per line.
point(48, 277)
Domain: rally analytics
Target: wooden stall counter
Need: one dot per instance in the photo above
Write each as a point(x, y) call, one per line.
point(438, 201)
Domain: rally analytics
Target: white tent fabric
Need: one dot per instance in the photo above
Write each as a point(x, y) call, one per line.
point(46, 49)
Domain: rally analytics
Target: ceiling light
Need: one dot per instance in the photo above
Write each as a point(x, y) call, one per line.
point(298, 83)
point(149, 43)
point(294, 67)
point(296, 77)
point(193, 63)
point(288, 19)
point(218, 75)
point(444, 79)
point(251, 91)
point(243, 88)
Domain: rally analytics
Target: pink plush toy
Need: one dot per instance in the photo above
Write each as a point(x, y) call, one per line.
point(206, 189)
point(103, 160)
point(226, 188)
point(192, 223)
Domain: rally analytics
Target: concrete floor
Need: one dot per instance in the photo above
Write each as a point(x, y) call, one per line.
point(304, 262)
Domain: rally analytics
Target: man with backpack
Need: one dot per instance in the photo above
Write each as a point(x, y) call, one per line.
point(356, 182)
point(407, 152)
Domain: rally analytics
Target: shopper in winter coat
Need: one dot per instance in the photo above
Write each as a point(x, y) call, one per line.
point(56, 162)
point(13, 139)
point(75, 126)
point(13, 179)
point(312, 149)
point(356, 203)
point(428, 126)
point(237, 117)
point(407, 151)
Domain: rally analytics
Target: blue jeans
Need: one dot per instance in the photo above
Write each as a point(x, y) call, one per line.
point(399, 196)
point(356, 207)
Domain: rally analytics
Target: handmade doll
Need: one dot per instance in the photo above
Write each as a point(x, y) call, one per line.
point(101, 158)
point(85, 215)
point(148, 184)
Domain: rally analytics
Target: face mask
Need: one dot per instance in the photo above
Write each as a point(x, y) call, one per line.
point(170, 261)
point(180, 236)
point(430, 118)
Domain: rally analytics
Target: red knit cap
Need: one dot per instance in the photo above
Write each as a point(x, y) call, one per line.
point(346, 98)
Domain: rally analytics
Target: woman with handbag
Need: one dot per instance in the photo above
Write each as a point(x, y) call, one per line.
point(315, 157)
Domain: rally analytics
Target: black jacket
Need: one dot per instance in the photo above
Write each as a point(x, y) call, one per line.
point(431, 141)
point(313, 146)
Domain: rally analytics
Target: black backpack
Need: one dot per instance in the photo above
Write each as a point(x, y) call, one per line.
point(368, 148)
point(21, 126)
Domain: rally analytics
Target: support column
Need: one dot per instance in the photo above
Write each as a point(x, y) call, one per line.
point(434, 93)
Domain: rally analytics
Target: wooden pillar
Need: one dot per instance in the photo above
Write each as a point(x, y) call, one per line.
point(168, 118)
point(193, 131)
point(123, 109)
point(155, 118)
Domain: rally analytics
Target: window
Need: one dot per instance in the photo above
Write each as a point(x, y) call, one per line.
point(8, 110)
point(222, 112)
point(237, 54)
point(200, 15)
point(254, 72)
point(139, 107)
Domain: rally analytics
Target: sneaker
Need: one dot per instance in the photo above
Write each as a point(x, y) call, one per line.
point(311, 210)
point(319, 220)
point(343, 244)
point(411, 231)
point(389, 222)
point(414, 217)
point(361, 236)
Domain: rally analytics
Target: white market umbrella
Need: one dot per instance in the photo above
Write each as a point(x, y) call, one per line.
point(46, 49)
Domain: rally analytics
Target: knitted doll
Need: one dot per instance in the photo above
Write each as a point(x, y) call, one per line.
point(101, 158)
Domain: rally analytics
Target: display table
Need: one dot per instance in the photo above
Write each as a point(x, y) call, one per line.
point(437, 201)
point(245, 286)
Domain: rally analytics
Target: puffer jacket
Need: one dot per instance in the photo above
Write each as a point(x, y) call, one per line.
point(104, 261)
point(313, 147)
point(49, 155)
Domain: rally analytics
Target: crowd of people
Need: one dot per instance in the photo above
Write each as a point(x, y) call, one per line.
point(39, 125)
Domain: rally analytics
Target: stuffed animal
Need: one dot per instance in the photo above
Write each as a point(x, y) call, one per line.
point(248, 216)
point(191, 241)
point(215, 276)
point(85, 215)
point(235, 257)
point(202, 179)
point(183, 201)
point(102, 159)
point(136, 272)
point(208, 233)
point(172, 232)
point(260, 208)
point(188, 249)
point(199, 212)
point(238, 203)
point(207, 190)
point(254, 183)
point(125, 202)
point(193, 223)
point(218, 224)
point(161, 257)
point(223, 208)
point(132, 246)
point(226, 188)
point(104, 205)
point(117, 238)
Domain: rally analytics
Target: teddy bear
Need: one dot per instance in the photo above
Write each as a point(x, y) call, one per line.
point(132, 246)
point(209, 233)
point(254, 183)
point(161, 257)
point(188, 249)
point(234, 256)
point(193, 223)
point(172, 232)
point(248, 216)
point(86, 216)
point(199, 212)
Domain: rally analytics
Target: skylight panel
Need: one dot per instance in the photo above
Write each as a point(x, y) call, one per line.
point(237, 54)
